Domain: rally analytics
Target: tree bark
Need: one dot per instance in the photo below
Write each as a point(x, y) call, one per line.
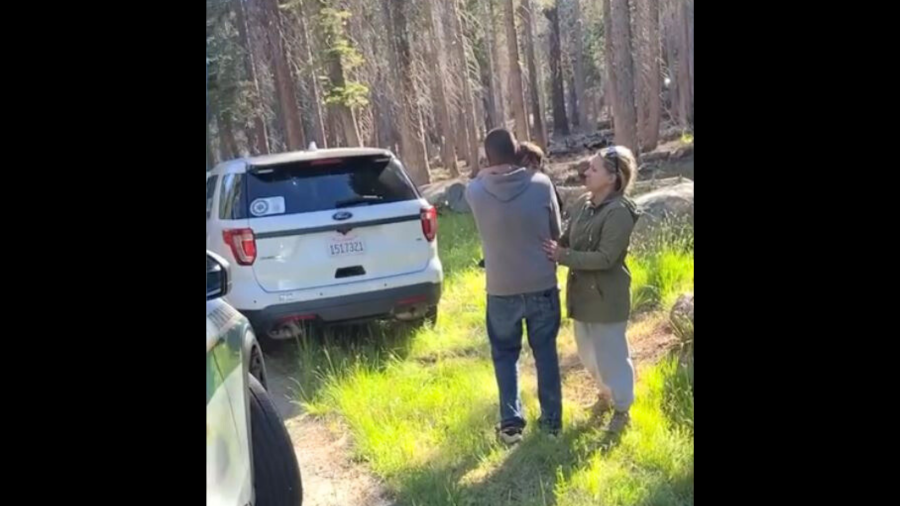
point(441, 103)
point(560, 123)
point(678, 41)
point(341, 116)
point(649, 109)
point(257, 136)
point(573, 104)
point(471, 129)
point(210, 155)
point(688, 60)
point(539, 132)
point(516, 92)
point(412, 141)
point(498, 64)
point(344, 115)
point(305, 12)
point(580, 105)
point(610, 89)
point(227, 143)
point(626, 114)
point(490, 75)
point(284, 81)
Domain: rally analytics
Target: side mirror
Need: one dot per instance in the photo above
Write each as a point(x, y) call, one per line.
point(218, 276)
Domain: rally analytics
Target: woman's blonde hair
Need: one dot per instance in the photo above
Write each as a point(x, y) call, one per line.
point(619, 161)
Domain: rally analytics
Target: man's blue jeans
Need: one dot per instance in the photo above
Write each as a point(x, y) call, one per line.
point(541, 313)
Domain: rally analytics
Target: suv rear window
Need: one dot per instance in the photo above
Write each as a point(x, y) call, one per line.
point(321, 185)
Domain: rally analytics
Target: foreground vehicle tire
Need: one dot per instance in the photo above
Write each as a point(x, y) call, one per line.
point(276, 475)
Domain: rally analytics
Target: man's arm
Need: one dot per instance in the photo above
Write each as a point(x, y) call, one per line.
point(555, 221)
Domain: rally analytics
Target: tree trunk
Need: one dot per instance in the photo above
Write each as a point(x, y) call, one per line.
point(344, 115)
point(489, 75)
point(227, 143)
point(340, 116)
point(516, 92)
point(573, 104)
point(305, 12)
point(496, 58)
point(471, 129)
point(649, 105)
point(489, 100)
point(560, 123)
point(678, 41)
point(257, 136)
point(640, 46)
point(539, 132)
point(412, 141)
point(626, 114)
point(610, 89)
point(688, 60)
point(580, 105)
point(284, 81)
point(441, 103)
point(210, 155)
point(462, 137)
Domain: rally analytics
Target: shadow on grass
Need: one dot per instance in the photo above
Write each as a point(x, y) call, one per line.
point(529, 473)
point(437, 481)
point(679, 492)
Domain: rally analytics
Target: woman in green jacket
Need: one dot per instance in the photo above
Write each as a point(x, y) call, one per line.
point(598, 291)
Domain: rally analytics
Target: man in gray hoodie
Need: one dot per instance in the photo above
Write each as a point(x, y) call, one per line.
point(516, 210)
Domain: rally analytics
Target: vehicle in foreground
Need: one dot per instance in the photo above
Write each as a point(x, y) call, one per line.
point(250, 459)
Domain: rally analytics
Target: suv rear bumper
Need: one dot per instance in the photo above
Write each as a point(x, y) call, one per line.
point(411, 300)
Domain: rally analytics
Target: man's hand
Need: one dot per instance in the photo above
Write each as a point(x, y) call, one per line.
point(553, 250)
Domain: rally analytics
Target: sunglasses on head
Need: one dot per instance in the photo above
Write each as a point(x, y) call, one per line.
point(613, 156)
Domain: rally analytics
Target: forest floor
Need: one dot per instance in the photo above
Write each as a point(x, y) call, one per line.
point(671, 158)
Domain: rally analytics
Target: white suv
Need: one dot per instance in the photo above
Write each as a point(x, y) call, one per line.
point(323, 236)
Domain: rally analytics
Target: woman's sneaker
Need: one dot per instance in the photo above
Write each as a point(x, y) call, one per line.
point(601, 407)
point(619, 422)
point(510, 434)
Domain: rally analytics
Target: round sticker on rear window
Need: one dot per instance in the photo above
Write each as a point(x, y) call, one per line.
point(267, 206)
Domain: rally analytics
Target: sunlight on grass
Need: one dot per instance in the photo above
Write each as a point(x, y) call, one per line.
point(654, 462)
point(410, 414)
point(662, 267)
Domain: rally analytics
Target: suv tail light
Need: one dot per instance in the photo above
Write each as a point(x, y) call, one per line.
point(429, 223)
point(242, 243)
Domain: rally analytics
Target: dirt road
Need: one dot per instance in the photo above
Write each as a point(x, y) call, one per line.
point(330, 476)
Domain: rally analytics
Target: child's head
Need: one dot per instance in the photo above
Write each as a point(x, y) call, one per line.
point(531, 156)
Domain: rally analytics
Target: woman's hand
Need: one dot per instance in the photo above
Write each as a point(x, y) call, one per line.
point(553, 250)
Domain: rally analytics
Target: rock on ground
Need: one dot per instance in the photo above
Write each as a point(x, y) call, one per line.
point(673, 202)
point(683, 308)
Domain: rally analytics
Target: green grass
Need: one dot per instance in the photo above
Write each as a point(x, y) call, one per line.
point(662, 266)
point(421, 404)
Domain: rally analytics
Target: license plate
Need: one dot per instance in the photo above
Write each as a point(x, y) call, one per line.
point(346, 247)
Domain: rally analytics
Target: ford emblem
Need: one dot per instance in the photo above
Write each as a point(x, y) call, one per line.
point(342, 215)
